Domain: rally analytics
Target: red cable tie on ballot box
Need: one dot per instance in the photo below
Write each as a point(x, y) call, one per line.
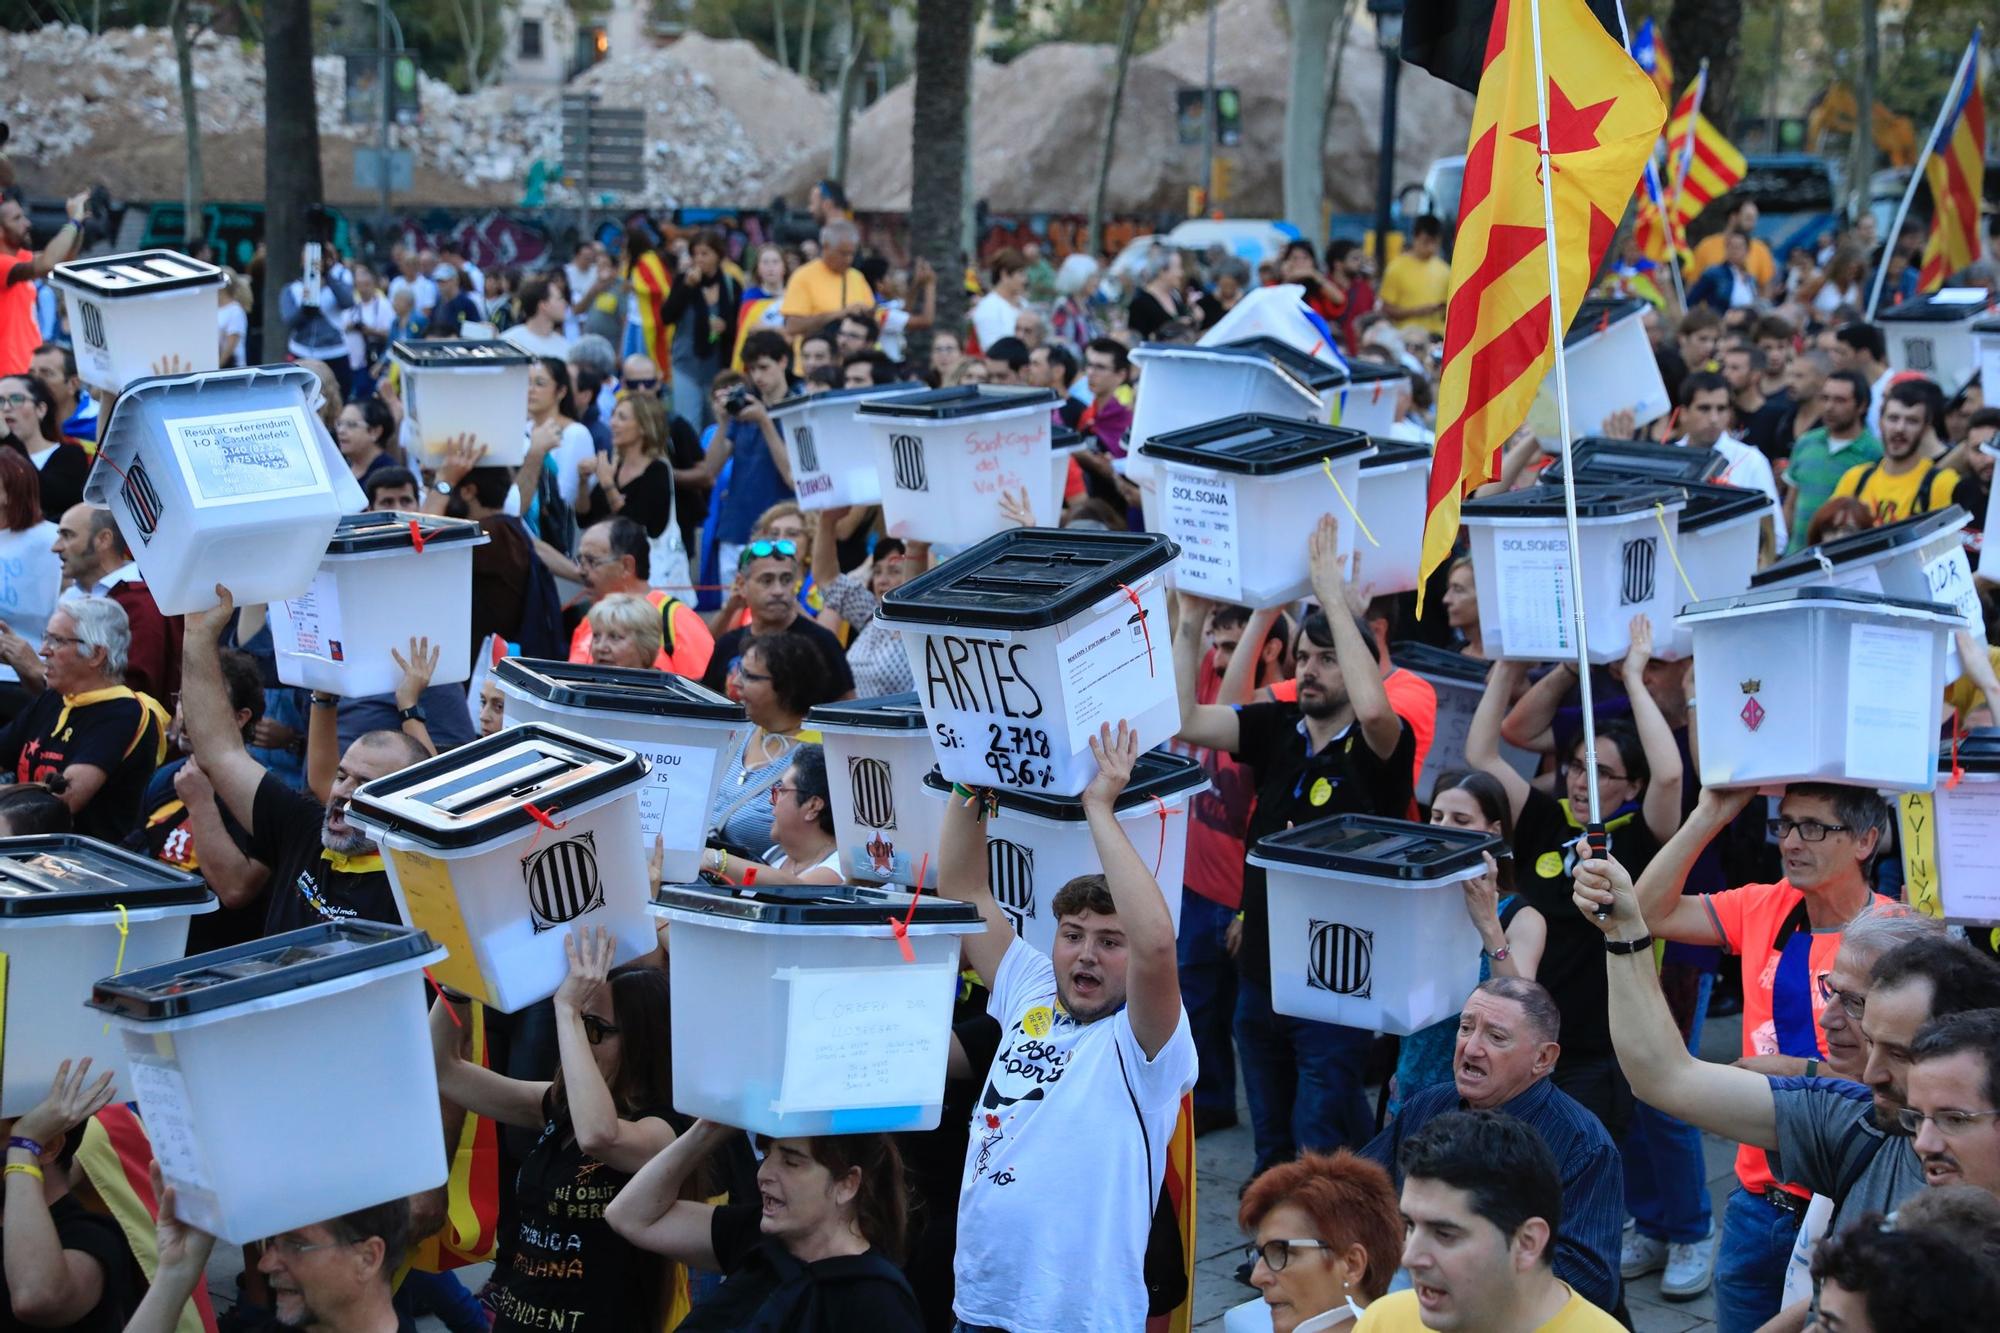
point(1144, 628)
point(417, 536)
point(546, 818)
point(901, 928)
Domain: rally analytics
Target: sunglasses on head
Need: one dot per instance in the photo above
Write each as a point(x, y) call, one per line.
point(765, 550)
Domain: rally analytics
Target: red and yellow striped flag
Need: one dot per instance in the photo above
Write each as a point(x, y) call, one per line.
point(1703, 166)
point(1956, 170)
point(1604, 117)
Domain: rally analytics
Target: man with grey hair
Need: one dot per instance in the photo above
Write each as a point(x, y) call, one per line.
point(829, 288)
point(88, 738)
point(1507, 1046)
point(323, 868)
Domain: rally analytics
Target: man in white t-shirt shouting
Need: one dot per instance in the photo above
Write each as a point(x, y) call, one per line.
point(1069, 1136)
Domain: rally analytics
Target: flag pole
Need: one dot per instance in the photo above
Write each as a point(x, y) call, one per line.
point(1594, 830)
point(1917, 176)
point(1686, 156)
point(1653, 180)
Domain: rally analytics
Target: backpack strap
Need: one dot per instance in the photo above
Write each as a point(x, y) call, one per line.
point(1921, 503)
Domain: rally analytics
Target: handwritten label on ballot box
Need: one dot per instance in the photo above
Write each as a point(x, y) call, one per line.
point(983, 698)
point(233, 457)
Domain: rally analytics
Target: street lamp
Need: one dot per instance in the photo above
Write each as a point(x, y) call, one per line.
point(1388, 16)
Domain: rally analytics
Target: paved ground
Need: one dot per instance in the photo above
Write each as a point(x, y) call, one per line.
point(1223, 1165)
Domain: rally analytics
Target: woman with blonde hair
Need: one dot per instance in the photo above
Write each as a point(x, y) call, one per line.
point(636, 480)
point(233, 301)
point(624, 631)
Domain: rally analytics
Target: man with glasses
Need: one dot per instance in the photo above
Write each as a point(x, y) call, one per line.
point(1828, 1135)
point(1786, 934)
point(615, 557)
point(332, 1277)
point(94, 742)
point(640, 375)
point(767, 581)
point(1821, 456)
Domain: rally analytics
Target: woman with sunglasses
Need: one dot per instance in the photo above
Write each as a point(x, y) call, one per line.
point(779, 678)
point(803, 849)
point(815, 1250)
point(606, 1113)
point(1326, 1237)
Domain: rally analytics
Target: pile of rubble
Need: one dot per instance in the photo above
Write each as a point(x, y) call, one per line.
point(65, 92)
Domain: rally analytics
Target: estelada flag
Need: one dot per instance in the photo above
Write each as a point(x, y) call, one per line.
point(1604, 117)
point(1704, 166)
point(1956, 170)
point(1651, 52)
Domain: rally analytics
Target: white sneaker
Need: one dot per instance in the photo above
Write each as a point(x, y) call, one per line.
point(1690, 1269)
point(1640, 1255)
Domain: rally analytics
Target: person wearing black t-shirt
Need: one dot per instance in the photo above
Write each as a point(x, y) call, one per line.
point(1340, 749)
point(332, 1276)
point(66, 1267)
point(816, 1254)
point(323, 868)
point(1639, 794)
point(89, 738)
point(188, 829)
point(605, 1113)
point(768, 583)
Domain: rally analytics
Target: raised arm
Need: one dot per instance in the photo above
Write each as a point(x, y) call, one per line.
point(649, 1211)
point(510, 1101)
point(1482, 736)
point(1380, 726)
point(826, 563)
point(207, 717)
point(1668, 914)
point(962, 875)
point(65, 243)
point(623, 1145)
point(49, 1285)
point(1152, 984)
point(1721, 1099)
point(1662, 805)
point(1211, 725)
point(236, 877)
point(183, 1261)
point(1530, 723)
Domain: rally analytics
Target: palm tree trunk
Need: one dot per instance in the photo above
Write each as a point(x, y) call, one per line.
point(806, 40)
point(939, 147)
point(1128, 33)
point(851, 42)
point(192, 228)
point(292, 186)
point(1304, 157)
point(778, 23)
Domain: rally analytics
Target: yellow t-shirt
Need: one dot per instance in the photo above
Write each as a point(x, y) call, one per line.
point(816, 289)
point(1410, 282)
point(1398, 1312)
point(1962, 696)
point(1709, 250)
point(1892, 497)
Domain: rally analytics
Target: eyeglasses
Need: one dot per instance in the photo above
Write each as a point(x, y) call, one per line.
point(1277, 1253)
point(292, 1248)
point(15, 400)
point(1951, 1124)
point(777, 787)
point(60, 639)
point(1851, 1003)
point(597, 1029)
point(1603, 774)
point(765, 550)
point(1809, 830)
point(643, 386)
point(597, 561)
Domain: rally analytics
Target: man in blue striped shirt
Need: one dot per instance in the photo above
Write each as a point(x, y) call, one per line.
point(1506, 1049)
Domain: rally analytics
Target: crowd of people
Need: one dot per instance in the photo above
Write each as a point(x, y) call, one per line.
point(1517, 1167)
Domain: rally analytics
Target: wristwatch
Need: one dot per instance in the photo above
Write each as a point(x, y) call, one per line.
point(442, 487)
point(412, 714)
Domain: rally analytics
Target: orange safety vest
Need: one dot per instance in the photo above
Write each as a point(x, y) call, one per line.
point(664, 602)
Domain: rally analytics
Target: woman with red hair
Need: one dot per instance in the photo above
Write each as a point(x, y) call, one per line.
point(1326, 1237)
